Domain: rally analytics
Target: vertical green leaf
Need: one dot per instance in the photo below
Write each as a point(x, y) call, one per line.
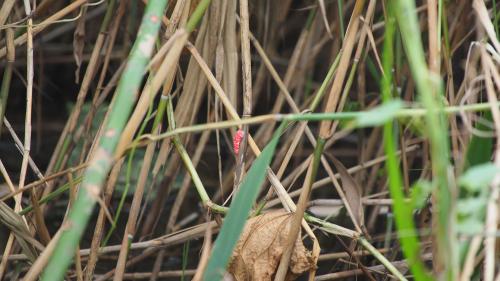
point(430, 93)
point(403, 212)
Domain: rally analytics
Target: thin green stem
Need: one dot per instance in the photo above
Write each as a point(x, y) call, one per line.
point(392, 269)
point(340, 9)
point(322, 89)
point(200, 188)
point(197, 15)
point(51, 196)
point(316, 117)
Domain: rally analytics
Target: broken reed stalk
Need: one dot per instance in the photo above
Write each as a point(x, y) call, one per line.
point(101, 163)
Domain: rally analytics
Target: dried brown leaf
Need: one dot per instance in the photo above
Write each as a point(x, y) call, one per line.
point(352, 192)
point(258, 252)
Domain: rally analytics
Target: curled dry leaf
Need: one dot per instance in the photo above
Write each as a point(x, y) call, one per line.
point(352, 191)
point(258, 252)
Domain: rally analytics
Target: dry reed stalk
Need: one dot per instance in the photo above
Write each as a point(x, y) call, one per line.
point(133, 213)
point(205, 254)
point(247, 89)
point(7, 75)
point(347, 48)
point(40, 223)
point(162, 274)
point(229, 45)
point(178, 17)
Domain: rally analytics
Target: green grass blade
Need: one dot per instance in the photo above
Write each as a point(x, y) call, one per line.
point(51, 196)
point(239, 210)
point(430, 93)
point(403, 212)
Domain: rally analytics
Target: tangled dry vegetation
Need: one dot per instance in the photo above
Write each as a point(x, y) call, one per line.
point(249, 140)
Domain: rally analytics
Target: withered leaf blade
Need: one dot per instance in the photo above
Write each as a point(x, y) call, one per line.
point(352, 192)
point(15, 223)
